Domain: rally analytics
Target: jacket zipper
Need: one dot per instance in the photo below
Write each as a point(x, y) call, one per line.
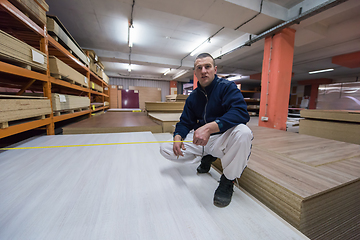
point(205, 105)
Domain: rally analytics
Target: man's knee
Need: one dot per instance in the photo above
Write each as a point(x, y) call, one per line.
point(243, 133)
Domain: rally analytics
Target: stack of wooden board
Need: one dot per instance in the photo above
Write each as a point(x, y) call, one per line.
point(120, 191)
point(115, 96)
point(340, 125)
point(60, 70)
point(35, 9)
point(95, 64)
point(174, 107)
point(114, 122)
point(176, 98)
point(167, 120)
point(68, 102)
point(311, 182)
point(96, 87)
point(19, 107)
point(55, 27)
point(147, 94)
point(14, 50)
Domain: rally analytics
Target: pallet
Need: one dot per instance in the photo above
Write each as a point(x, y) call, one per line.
point(64, 78)
point(69, 111)
point(6, 124)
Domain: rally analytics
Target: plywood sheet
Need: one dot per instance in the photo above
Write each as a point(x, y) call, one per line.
point(120, 192)
point(112, 122)
point(309, 181)
point(15, 109)
point(147, 94)
point(174, 107)
point(13, 49)
point(63, 71)
point(334, 115)
point(340, 131)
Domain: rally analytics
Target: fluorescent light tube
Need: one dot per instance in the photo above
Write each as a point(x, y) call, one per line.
point(180, 74)
point(131, 35)
point(167, 71)
point(199, 48)
point(320, 71)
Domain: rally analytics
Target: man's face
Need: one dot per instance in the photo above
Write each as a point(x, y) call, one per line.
point(205, 71)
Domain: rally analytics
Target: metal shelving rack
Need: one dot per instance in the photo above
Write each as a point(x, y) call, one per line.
point(17, 24)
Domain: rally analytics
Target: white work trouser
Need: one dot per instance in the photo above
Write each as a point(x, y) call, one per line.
point(233, 147)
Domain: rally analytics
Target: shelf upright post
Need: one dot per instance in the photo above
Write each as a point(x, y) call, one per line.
point(50, 128)
point(88, 75)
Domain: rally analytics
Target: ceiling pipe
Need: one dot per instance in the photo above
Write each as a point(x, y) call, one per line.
point(296, 20)
point(261, 4)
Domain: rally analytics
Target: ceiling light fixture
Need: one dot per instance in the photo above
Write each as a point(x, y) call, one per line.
point(180, 73)
point(320, 71)
point(129, 68)
point(199, 48)
point(131, 35)
point(167, 71)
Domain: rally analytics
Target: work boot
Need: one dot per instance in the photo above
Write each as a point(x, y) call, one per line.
point(205, 165)
point(224, 192)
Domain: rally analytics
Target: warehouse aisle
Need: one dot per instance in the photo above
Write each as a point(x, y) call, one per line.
point(126, 191)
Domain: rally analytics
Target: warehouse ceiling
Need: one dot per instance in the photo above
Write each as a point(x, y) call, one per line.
point(165, 32)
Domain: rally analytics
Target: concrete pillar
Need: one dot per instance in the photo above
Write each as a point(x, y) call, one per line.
point(276, 79)
point(195, 82)
point(173, 87)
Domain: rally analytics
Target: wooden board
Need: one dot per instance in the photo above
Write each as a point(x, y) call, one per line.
point(334, 115)
point(113, 96)
point(340, 131)
point(311, 182)
point(112, 122)
point(35, 9)
point(14, 50)
point(119, 192)
point(147, 94)
point(15, 109)
point(174, 107)
point(167, 120)
point(60, 70)
point(66, 102)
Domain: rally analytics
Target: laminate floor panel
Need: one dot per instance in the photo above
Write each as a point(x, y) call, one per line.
point(113, 122)
point(126, 191)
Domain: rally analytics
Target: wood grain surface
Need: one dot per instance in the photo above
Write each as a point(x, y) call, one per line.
point(112, 122)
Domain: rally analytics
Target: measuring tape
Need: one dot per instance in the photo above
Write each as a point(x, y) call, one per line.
point(89, 145)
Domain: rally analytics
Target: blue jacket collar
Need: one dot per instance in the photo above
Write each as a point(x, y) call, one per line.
point(209, 88)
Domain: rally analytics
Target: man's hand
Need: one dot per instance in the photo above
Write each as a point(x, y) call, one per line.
point(177, 146)
point(202, 134)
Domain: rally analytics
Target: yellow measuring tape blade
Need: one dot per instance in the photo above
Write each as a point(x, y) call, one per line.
point(88, 145)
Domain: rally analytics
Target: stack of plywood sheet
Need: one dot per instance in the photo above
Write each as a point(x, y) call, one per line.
point(115, 97)
point(167, 120)
point(175, 107)
point(14, 50)
point(311, 182)
point(18, 107)
point(340, 125)
point(105, 77)
point(68, 102)
point(55, 27)
point(113, 122)
point(95, 64)
point(176, 98)
point(96, 87)
point(147, 94)
point(60, 70)
point(35, 9)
